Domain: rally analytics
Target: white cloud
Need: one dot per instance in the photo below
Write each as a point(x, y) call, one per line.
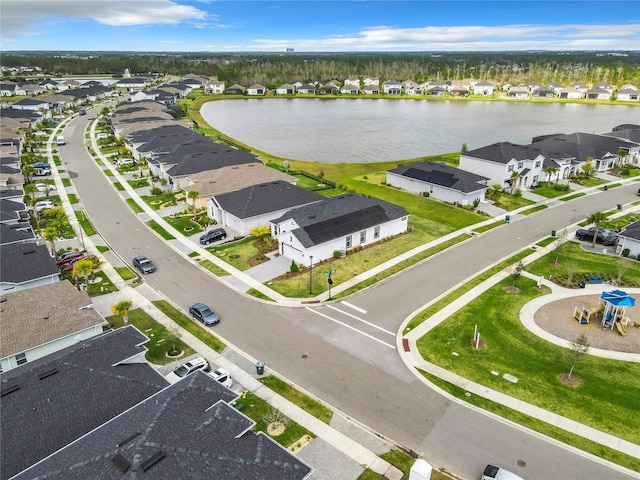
point(21, 18)
point(507, 37)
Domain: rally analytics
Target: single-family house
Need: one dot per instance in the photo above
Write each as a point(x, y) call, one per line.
point(285, 89)
point(353, 81)
point(507, 164)
point(16, 233)
point(297, 83)
point(12, 209)
point(533, 85)
point(443, 182)
point(375, 81)
point(604, 86)
point(412, 88)
point(392, 87)
point(508, 85)
point(46, 326)
point(256, 205)
point(518, 93)
point(598, 94)
point(371, 90)
point(581, 87)
point(256, 89)
point(26, 265)
point(543, 92)
point(349, 89)
point(30, 89)
point(570, 93)
point(223, 180)
point(34, 104)
point(484, 88)
point(315, 232)
point(132, 83)
point(557, 87)
point(628, 94)
point(328, 89)
point(459, 92)
point(51, 402)
point(8, 89)
point(213, 87)
point(629, 241)
point(437, 91)
point(307, 89)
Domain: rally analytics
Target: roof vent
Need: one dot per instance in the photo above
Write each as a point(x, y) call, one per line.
point(122, 463)
point(26, 252)
point(152, 460)
point(8, 390)
point(128, 439)
point(48, 373)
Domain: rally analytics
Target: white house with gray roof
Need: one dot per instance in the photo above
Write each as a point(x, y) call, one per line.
point(443, 182)
point(629, 238)
point(338, 224)
point(257, 205)
point(26, 265)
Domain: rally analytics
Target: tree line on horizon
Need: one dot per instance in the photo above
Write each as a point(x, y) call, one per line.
point(273, 69)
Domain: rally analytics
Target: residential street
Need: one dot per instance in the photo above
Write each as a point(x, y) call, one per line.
point(322, 348)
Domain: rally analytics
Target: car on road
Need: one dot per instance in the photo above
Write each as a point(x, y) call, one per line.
point(43, 205)
point(204, 314)
point(605, 237)
point(45, 187)
point(66, 257)
point(491, 472)
point(187, 368)
point(213, 236)
point(222, 376)
point(143, 264)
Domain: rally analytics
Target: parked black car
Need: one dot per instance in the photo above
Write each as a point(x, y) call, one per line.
point(605, 237)
point(213, 236)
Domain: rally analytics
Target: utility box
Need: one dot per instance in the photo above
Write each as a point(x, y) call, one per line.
point(421, 470)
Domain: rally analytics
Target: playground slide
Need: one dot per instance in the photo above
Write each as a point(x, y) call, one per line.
point(621, 329)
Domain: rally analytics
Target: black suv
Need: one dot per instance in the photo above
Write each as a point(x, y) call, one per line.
point(605, 237)
point(213, 236)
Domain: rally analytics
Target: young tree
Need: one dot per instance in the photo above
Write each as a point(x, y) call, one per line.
point(559, 243)
point(572, 268)
point(321, 175)
point(515, 176)
point(260, 231)
point(587, 166)
point(50, 234)
point(464, 149)
point(549, 171)
point(192, 195)
point(495, 188)
point(517, 271)
point(597, 218)
point(623, 265)
point(577, 350)
point(123, 308)
point(82, 268)
point(286, 165)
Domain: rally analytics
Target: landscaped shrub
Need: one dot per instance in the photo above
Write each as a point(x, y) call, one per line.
point(625, 252)
point(426, 194)
point(336, 254)
point(155, 191)
point(294, 266)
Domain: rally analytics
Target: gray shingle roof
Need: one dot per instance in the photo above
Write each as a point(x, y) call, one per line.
point(503, 152)
point(338, 216)
point(188, 430)
point(443, 175)
point(199, 162)
point(580, 146)
point(69, 393)
point(631, 231)
point(23, 262)
point(16, 233)
point(265, 198)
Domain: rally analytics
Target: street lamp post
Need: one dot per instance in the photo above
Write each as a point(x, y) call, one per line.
point(311, 274)
point(329, 280)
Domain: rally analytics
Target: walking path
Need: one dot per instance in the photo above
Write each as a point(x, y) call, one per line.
point(142, 297)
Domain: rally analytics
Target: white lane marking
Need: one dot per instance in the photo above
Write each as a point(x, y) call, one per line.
point(352, 328)
point(350, 305)
point(361, 320)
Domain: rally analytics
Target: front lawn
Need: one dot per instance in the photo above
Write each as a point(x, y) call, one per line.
point(160, 341)
point(245, 253)
point(603, 399)
point(551, 190)
point(160, 201)
point(184, 224)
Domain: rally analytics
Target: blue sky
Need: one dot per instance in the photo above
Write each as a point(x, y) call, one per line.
point(323, 26)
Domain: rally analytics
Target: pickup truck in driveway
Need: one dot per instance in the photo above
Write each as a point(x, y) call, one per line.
point(605, 237)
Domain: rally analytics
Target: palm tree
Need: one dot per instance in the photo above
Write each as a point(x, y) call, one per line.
point(549, 171)
point(192, 195)
point(49, 234)
point(29, 190)
point(597, 218)
point(515, 175)
point(496, 187)
point(587, 166)
point(122, 308)
point(82, 268)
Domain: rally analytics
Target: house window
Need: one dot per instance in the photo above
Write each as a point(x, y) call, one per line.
point(376, 232)
point(538, 164)
point(363, 236)
point(510, 169)
point(520, 165)
point(348, 241)
point(21, 358)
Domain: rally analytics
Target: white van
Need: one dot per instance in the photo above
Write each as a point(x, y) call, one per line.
point(491, 472)
point(60, 140)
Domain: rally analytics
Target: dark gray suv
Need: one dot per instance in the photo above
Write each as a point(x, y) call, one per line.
point(213, 236)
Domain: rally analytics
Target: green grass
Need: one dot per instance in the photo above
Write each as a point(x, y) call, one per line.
point(488, 227)
point(403, 461)
point(256, 409)
point(57, 161)
point(160, 341)
point(239, 254)
point(402, 265)
point(102, 248)
point(298, 398)
point(468, 285)
point(572, 197)
point(190, 325)
point(193, 255)
point(160, 201)
point(602, 401)
point(139, 183)
point(73, 198)
point(184, 222)
point(537, 425)
point(549, 191)
point(85, 224)
point(66, 182)
point(620, 222)
point(155, 226)
point(591, 182)
point(134, 205)
point(125, 273)
point(118, 186)
point(546, 241)
point(103, 287)
point(213, 268)
point(535, 209)
point(258, 294)
point(510, 202)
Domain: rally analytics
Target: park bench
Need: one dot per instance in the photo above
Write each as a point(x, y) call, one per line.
point(595, 278)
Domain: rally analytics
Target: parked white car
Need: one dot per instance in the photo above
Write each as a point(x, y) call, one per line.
point(45, 187)
point(43, 205)
point(124, 161)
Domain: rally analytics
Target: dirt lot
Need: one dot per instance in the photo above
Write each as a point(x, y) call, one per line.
point(557, 319)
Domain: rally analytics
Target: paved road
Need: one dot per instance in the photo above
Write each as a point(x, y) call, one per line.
point(322, 348)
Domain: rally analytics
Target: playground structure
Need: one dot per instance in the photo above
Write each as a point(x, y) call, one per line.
point(616, 303)
point(584, 314)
